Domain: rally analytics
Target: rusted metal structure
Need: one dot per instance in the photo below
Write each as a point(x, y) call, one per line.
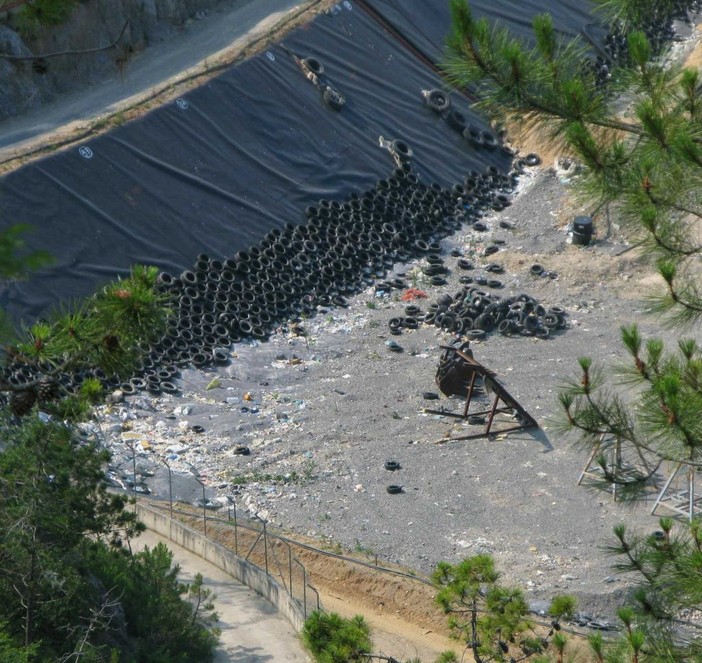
point(460, 374)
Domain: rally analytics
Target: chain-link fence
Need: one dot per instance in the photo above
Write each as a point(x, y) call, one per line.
point(251, 540)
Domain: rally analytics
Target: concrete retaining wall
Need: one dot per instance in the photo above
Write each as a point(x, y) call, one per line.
point(243, 571)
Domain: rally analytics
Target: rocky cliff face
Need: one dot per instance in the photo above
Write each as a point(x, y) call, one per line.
point(28, 83)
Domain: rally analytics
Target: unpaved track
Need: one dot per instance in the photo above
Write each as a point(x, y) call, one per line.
point(252, 629)
point(155, 74)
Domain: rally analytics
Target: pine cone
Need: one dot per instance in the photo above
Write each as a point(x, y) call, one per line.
point(22, 402)
point(48, 390)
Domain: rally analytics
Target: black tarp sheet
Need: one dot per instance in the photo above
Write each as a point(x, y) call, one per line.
point(425, 24)
point(245, 153)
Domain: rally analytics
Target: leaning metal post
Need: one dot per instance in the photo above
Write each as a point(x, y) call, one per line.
point(170, 485)
point(290, 585)
point(204, 505)
point(236, 533)
point(131, 447)
point(265, 545)
point(304, 586)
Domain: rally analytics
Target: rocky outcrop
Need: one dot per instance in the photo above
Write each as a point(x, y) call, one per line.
point(27, 84)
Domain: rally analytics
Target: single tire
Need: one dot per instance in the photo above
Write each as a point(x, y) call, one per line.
point(505, 327)
point(333, 98)
point(532, 160)
point(536, 269)
point(401, 150)
point(489, 140)
point(313, 65)
point(167, 387)
point(437, 101)
point(395, 490)
point(456, 120)
point(472, 134)
point(242, 451)
point(552, 321)
point(392, 465)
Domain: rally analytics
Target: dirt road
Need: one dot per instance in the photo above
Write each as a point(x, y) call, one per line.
point(203, 45)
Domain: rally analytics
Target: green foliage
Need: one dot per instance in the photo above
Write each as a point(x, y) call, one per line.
point(106, 331)
point(334, 639)
point(562, 607)
point(11, 651)
point(52, 500)
point(649, 165)
point(483, 614)
point(648, 168)
point(164, 627)
point(632, 14)
point(36, 14)
point(65, 572)
point(15, 260)
point(447, 657)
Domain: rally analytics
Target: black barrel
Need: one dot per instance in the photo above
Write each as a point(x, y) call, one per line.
point(582, 230)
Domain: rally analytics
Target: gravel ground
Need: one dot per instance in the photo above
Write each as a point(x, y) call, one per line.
point(330, 403)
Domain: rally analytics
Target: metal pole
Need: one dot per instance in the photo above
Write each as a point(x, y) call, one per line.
point(133, 450)
point(204, 509)
point(691, 512)
point(265, 545)
point(304, 589)
point(170, 486)
point(236, 533)
point(290, 570)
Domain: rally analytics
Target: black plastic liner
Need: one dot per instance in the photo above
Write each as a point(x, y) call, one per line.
point(424, 25)
point(216, 170)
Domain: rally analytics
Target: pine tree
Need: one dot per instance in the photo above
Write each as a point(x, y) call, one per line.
point(105, 332)
point(638, 137)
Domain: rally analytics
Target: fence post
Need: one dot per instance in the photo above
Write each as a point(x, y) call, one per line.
point(265, 545)
point(290, 585)
point(236, 533)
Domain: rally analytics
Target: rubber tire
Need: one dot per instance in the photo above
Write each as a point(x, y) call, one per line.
point(456, 120)
point(313, 65)
point(401, 150)
point(437, 101)
point(395, 490)
point(333, 98)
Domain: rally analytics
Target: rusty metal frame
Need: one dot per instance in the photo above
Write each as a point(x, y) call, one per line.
point(501, 394)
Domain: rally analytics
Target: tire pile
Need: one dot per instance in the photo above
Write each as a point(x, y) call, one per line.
point(341, 249)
